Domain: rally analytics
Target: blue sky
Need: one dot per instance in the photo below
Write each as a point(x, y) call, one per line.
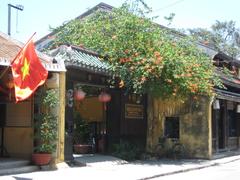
point(38, 15)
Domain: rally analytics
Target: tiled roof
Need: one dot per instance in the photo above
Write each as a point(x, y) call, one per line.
point(10, 47)
point(101, 6)
point(81, 58)
point(223, 94)
point(228, 79)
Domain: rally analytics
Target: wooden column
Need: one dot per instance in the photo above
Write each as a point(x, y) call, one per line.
point(226, 124)
point(61, 122)
point(209, 117)
point(238, 128)
point(217, 112)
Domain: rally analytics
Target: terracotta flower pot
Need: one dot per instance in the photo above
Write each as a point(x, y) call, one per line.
point(41, 159)
point(82, 148)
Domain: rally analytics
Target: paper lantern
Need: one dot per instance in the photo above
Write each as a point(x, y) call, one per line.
point(216, 104)
point(79, 95)
point(104, 97)
point(238, 108)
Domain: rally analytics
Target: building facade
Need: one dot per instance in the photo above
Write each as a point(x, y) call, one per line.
point(17, 119)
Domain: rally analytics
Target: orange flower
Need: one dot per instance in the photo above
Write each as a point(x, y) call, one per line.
point(195, 97)
point(205, 42)
point(132, 68)
point(169, 80)
point(193, 90)
point(196, 65)
point(147, 66)
point(122, 60)
point(156, 53)
point(149, 70)
point(159, 60)
point(114, 37)
point(121, 84)
point(136, 54)
point(143, 79)
point(128, 59)
point(143, 60)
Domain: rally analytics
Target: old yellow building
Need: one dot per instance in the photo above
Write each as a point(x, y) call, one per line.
point(204, 127)
point(17, 119)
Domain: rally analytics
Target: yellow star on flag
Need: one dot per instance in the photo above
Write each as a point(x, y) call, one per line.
point(25, 68)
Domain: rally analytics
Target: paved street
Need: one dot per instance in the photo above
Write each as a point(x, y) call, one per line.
point(229, 171)
point(111, 168)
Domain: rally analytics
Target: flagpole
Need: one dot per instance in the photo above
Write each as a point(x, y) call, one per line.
point(5, 70)
point(22, 48)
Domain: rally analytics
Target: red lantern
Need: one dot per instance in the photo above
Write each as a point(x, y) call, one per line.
point(79, 95)
point(104, 97)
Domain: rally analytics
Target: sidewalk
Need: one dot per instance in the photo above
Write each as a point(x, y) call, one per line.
point(149, 169)
point(108, 168)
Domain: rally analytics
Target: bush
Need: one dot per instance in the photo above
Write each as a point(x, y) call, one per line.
point(170, 148)
point(81, 133)
point(127, 151)
point(45, 124)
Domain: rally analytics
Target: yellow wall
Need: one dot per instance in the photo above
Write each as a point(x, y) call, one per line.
point(19, 115)
point(91, 109)
point(18, 141)
point(18, 132)
point(195, 124)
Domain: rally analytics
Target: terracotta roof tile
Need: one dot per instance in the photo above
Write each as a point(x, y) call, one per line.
point(10, 47)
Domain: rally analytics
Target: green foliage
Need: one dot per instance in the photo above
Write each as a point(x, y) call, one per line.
point(127, 151)
point(81, 130)
point(170, 18)
point(147, 58)
point(46, 121)
point(223, 36)
point(170, 148)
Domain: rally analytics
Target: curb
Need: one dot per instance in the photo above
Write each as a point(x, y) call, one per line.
point(189, 169)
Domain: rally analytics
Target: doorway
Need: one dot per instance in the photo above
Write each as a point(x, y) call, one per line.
point(221, 125)
point(3, 150)
point(89, 119)
point(221, 134)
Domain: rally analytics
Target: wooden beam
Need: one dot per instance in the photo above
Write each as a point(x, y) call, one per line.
point(61, 122)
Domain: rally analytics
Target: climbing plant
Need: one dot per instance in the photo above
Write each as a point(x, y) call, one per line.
point(145, 56)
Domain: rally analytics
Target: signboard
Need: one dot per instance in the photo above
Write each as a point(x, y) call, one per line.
point(134, 111)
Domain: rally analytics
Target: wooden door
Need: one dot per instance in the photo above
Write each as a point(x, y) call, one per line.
point(114, 116)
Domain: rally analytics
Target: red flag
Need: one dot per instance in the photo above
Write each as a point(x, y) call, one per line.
point(28, 72)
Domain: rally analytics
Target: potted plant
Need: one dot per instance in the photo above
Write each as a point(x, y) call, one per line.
point(45, 126)
point(81, 136)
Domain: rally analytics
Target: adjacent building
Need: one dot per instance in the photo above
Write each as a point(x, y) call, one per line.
point(17, 119)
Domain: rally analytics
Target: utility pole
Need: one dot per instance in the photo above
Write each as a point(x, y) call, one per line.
point(18, 7)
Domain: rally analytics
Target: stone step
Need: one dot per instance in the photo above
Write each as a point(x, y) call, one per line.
point(18, 170)
point(12, 163)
